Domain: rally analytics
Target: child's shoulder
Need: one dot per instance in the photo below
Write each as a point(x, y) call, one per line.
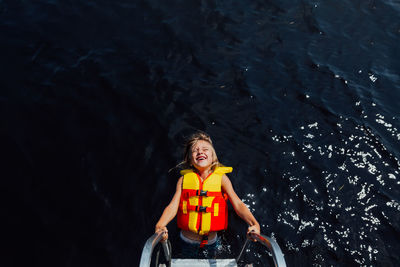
point(186, 171)
point(223, 170)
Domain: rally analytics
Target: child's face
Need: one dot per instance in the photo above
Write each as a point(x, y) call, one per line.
point(202, 154)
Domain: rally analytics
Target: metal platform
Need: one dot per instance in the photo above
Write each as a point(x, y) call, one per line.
point(203, 263)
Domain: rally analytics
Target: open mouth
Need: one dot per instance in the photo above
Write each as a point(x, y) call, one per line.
point(200, 158)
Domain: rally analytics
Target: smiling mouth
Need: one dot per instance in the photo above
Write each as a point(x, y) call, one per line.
point(201, 158)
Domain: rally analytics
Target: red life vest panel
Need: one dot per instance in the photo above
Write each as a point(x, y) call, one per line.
point(203, 207)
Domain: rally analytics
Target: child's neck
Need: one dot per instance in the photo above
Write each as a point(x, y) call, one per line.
point(203, 173)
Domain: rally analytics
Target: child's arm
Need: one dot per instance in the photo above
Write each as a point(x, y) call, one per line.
point(170, 211)
point(240, 208)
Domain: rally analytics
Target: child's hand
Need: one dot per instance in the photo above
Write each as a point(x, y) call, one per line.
point(253, 229)
point(162, 229)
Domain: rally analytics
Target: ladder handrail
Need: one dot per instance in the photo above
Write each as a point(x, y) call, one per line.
point(273, 247)
point(151, 243)
point(149, 246)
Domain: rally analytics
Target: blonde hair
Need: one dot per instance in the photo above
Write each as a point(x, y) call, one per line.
point(187, 152)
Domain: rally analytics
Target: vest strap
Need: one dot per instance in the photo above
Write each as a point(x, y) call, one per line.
point(192, 193)
point(200, 208)
point(204, 241)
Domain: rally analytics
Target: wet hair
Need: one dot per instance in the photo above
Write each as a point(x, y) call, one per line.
point(187, 152)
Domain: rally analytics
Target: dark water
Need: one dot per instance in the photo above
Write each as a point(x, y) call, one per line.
point(300, 97)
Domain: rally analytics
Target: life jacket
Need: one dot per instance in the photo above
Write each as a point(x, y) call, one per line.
point(203, 207)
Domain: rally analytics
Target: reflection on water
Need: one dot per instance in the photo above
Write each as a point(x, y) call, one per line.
point(346, 202)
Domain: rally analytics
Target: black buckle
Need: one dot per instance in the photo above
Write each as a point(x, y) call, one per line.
point(202, 193)
point(201, 208)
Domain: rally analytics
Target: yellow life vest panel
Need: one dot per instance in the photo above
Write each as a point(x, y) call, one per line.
point(202, 206)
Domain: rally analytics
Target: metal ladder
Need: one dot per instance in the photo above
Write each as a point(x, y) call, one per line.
point(151, 243)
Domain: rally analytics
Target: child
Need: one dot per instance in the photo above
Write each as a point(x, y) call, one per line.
point(200, 200)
